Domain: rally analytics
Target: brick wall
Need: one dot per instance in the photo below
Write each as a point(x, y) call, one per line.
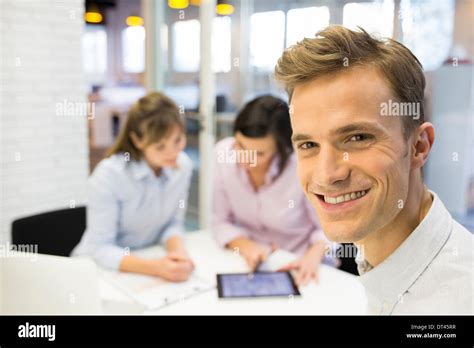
point(43, 125)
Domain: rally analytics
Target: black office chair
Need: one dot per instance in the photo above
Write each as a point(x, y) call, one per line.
point(55, 233)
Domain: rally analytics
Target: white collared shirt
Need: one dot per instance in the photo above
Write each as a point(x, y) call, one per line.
point(431, 272)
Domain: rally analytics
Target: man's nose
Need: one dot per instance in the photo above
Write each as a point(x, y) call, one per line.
point(331, 166)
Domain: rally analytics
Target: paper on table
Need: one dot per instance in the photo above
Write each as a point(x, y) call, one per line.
point(153, 292)
point(276, 260)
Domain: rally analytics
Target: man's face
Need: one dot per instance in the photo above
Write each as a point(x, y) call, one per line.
point(353, 163)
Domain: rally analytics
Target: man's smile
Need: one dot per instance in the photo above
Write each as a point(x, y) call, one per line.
point(340, 201)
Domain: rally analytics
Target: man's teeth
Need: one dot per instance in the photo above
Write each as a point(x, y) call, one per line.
point(345, 198)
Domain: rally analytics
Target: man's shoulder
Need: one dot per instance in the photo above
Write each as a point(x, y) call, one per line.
point(458, 248)
point(461, 233)
point(455, 259)
point(447, 283)
point(458, 252)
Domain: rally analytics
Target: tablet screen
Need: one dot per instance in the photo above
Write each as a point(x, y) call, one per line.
point(257, 284)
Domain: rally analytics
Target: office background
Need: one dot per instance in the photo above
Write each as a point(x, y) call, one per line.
point(71, 68)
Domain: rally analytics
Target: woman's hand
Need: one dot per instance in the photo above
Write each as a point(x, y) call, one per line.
point(252, 252)
point(176, 250)
point(307, 267)
point(172, 268)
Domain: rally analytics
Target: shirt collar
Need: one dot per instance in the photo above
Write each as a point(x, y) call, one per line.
point(140, 169)
point(273, 169)
point(389, 281)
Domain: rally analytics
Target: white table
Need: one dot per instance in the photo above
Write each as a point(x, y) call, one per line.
point(336, 292)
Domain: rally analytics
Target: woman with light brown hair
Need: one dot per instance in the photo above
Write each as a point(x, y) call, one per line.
point(137, 195)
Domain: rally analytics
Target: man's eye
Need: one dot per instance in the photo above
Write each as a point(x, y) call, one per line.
point(359, 137)
point(306, 145)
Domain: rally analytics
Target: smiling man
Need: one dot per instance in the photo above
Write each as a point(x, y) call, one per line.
point(361, 142)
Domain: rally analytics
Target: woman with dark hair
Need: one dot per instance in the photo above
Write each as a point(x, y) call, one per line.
point(258, 203)
point(137, 195)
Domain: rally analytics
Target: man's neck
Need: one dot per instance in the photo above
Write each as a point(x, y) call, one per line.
point(380, 244)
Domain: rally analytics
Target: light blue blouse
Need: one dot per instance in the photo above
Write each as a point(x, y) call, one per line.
point(129, 207)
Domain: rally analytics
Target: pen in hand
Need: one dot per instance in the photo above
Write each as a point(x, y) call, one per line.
point(257, 266)
point(261, 260)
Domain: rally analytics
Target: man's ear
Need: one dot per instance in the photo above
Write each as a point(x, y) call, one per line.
point(422, 144)
point(137, 142)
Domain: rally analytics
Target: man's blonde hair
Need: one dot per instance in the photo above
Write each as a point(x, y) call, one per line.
point(336, 48)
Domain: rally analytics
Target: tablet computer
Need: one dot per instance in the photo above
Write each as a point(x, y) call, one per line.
point(258, 284)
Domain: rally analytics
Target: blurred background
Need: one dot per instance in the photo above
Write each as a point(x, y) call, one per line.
point(70, 69)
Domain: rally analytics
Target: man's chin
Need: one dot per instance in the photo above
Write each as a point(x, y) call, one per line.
point(342, 232)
